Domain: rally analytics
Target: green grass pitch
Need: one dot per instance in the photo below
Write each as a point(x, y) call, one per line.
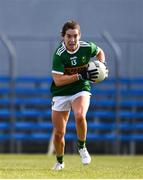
point(26, 166)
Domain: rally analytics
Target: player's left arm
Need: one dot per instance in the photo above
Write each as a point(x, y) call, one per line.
point(97, 52)
point(100, 55)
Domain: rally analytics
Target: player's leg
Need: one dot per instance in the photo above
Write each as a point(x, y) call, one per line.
point(80, 107)
point(59, 120)
point(60, 113)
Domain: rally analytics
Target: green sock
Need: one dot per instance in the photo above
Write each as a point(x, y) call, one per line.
point(81, 144)
point(60, 159)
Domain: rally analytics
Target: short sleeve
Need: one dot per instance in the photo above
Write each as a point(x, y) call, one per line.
point(57, 64)
point(94, 49)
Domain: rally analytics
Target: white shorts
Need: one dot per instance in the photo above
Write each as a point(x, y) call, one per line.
point(63, 103)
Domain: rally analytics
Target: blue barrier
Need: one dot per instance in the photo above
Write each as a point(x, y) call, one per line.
point(34, 103)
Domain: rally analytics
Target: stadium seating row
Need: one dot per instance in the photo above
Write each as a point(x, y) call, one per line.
point(113, 113)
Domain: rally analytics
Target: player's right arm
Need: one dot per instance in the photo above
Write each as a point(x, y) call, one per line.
point(61, 80)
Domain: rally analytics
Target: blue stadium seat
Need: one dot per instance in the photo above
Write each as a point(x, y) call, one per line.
point(33, 110)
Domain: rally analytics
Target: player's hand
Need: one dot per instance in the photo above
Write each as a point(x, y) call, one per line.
point(88, 75)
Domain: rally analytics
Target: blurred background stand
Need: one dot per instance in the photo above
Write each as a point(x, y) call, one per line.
point(118, 58)
point(12, 78)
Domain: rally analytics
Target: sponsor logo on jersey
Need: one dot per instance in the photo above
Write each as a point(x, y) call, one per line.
point(74, 70)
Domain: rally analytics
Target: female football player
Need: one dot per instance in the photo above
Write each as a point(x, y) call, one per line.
point(71, 88)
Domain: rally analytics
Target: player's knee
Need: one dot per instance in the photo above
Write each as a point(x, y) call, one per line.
point(59, 135)
point(80, 117)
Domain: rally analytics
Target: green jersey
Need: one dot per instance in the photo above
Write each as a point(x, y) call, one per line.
point(65, 62)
